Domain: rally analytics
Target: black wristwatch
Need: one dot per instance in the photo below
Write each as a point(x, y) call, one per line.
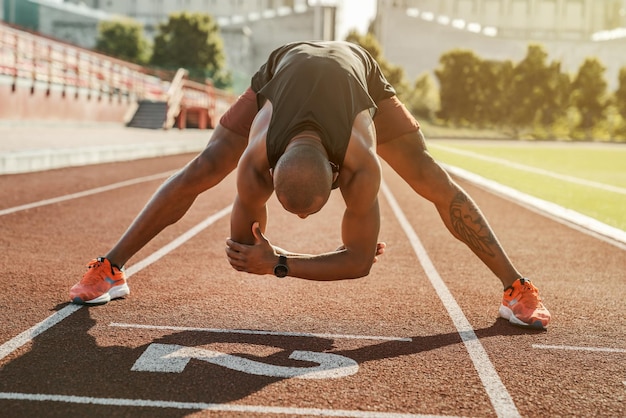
point(281, 269)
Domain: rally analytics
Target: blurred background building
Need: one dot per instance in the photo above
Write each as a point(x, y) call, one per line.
point(250, 29)
point(413, 33)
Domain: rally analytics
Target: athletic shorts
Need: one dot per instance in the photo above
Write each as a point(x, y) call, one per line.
point(392, 119)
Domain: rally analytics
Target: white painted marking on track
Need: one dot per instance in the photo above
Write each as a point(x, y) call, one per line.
point(26, 336)
point(261, 332)
point(565, 216)
point(172, 358)
point(498, 395)
point(200, 406)
point(163, 251)
point(575, 348)
point(84, 193)
point(530, 169)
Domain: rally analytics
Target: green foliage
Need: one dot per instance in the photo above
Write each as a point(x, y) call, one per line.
point(393, 73)
point(539, 92)
point(493, 80)
point(620, 94)
point(532, 99)
point(191, 41)
point(423, 100)
point(589, 95)
point(123, 39)
point(458, 80)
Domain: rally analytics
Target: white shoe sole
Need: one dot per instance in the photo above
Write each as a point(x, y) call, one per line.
point(113, 293)
point(508, 314)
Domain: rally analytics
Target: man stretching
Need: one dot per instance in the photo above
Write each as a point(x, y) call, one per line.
point(317, 116)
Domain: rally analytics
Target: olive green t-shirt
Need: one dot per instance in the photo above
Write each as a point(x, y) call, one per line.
point(318, 86)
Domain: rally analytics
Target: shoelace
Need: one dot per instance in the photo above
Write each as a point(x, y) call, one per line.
point(94, 264)
point(529, 289)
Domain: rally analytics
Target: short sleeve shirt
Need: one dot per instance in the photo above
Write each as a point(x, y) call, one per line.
point(318, 86)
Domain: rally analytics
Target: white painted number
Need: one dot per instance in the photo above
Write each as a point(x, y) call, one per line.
point(172, 358)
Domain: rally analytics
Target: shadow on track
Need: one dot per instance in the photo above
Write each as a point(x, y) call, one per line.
point(67, 360)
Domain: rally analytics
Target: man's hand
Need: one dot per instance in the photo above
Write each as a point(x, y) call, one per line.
point(258, 258)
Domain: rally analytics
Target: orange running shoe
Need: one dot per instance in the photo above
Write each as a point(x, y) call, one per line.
point(100, 284)
point(522, 306)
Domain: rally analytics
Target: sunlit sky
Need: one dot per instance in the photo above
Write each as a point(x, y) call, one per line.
point(354, 14)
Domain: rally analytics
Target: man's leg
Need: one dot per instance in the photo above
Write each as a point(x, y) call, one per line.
point(104, 279)
point(176, 195)
point(408, 156)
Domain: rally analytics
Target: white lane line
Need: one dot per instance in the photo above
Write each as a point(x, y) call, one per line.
point(84, 193)
point(565, 216)
point(574, 348)
point(26, 336)
point(262, 332)
point(178, 241)
point(497, 392)
point(535, 170)
point(226, 407)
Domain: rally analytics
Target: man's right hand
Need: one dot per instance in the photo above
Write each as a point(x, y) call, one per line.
point(258, 258)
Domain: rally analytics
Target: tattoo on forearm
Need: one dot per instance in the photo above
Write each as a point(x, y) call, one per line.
point(470, 226)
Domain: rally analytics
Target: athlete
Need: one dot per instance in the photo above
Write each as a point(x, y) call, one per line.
point(317, 115)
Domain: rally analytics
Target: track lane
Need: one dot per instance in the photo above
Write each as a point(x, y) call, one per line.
point(194, 286)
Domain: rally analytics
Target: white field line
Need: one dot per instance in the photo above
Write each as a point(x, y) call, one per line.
point(530, 169)
point(498, 395)
point(84, 193)
point(565, 216)
point(578, 348)
point(226, 407)
point(26, 336)
point(262, 332)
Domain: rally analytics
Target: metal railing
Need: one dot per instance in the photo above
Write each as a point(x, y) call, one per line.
point(41, 61)
point(38, 61)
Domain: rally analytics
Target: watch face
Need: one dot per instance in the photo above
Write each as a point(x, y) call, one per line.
point(281, 270)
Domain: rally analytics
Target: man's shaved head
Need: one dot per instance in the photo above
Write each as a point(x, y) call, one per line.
point(303, 179)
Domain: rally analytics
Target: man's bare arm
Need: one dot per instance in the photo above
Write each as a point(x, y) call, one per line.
point(360, 228)
point(351, 260)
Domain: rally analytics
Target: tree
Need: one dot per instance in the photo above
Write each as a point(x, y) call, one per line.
point(619, 100)
point(191, 41)
point(620, 93)
point(457, 74)
point(492, 81)
point(123, 39)
point(589, 94)
point(539, 92)
point(393, 73)
point(423, 101)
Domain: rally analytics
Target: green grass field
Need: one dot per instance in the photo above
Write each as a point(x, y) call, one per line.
point(589, 178)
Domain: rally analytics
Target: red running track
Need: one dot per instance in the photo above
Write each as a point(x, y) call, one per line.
point(198, 338)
